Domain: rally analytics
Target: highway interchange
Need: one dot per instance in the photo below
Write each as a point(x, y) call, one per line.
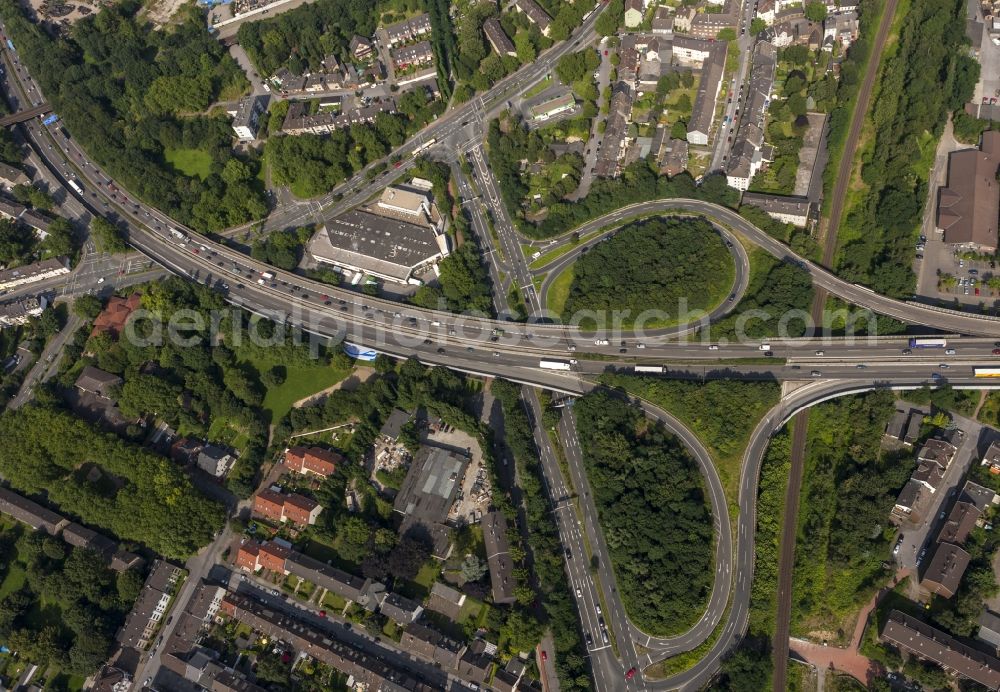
point(501, 348)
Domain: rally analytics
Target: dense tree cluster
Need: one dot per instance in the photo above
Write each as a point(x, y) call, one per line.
point(543, 539)
point(653, 511)
point(312, 164)
point(848, 491)
point(131, 95)
point(137, 496)
point(199, 384)
point(90, 599)
point(638, 182)
point(928, 76)
point(721, 412)
point(107, 236)
point(664, 263)
point(283, 249)
point(777, 299)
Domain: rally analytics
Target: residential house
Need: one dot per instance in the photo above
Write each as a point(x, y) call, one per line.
point(112, 318)
point(703, 112)
point(937, 451)
point(400, 610)
point(277, 506)
point(95, 381)
point(215, 461)
point(613, 144)
point(298, 121)
point(913, 428)
point(314, 460)
point(663, 21)
point(908, 498)
point(431, 645)
point(11, 177)
point(923, 641)
point(960, 522)
point(30, 273)
point(634, 10)
point(31, 513)
point(499, 41)
point(535, 14)
point(992, 458)
point(144, 618)
point(446, 600)
point(414, 55)
point(408, 30)
point(798, 211)
point(361, 49)
point(81, 537)
point(476, 663)
point(502, 581)
point(989, 629)
point(246, 122)
point(20, 311)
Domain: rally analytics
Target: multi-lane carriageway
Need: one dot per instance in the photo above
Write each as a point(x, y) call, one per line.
point(511, 350)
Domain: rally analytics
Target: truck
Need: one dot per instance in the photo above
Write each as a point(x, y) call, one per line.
point(51, 118)
point(928, 343)
point(180, 235)
point(554, 365)
point(265, 276)
point(656, 369)
point(76, 186)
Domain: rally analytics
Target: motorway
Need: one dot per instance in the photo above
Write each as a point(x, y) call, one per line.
point(512, 350)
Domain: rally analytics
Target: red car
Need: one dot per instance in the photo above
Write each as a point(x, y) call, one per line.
point(630, 673)
point(996, 352)
point(545, 655)
point(605, 53)
point(322, 613)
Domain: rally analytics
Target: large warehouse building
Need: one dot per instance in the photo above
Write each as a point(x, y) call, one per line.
point(391, 239)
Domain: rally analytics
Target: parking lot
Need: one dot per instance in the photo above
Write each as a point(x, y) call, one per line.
point(947, 275)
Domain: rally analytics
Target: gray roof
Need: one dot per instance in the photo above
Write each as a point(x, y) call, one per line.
point(897, 424)
point(909, 495)
point(431, 644)
point(927, 642)
point(497, 38)
point(978, 495)
point(14, 176)
point(394, 423)
point(375, 244)
point(944, 573)
point(989, 628)
point(27, 272)
point(349, 586)
point(703, 111)
point(800, 206)
point(913, 427)
point(96, 381)
point(497, 554)
point(400, 609)
point(82, 537)
point(418, 52)
point(535, 13)
point(431, 484)
point(27, 512)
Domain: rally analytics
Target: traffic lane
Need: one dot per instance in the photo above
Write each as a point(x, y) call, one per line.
point(604, 666)
point(615, 615)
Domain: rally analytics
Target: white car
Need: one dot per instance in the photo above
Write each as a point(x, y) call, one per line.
point(764, 347)
point(713, 347)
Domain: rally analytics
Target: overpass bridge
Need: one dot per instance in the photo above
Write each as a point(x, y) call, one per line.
point(24, 115)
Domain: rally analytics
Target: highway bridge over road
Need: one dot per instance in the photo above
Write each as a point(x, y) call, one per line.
point(25, 115)
point(496, 348)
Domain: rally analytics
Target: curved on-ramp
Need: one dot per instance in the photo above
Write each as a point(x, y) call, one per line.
point(910, 312)
point(697, 319)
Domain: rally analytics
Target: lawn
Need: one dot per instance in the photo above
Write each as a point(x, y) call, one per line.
point(13, 581)
point(300, 382)
point(191, 162)
point(558, 293)
point(421, 585)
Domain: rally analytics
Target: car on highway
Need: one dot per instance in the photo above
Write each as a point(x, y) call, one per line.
point(907, 351)
point(579, 592)
point(950, 352)
point(630, 673)
point(590, 640)
point(996, 352)
point(820, 353)
point(713, 347)
point(944, 366)
point(816, 373)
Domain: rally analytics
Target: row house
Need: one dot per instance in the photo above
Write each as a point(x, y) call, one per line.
point(314, 460)
point(286, 507)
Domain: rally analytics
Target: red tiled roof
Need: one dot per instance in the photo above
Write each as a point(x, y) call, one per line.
point(113, 318)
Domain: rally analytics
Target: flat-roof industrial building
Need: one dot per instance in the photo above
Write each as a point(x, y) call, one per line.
point(391, 239)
